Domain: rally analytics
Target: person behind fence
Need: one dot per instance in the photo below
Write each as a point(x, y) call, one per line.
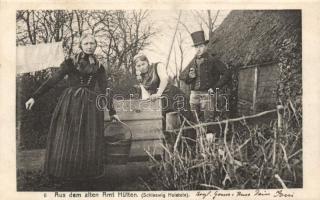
point(154, 79)
point(205, 74)
point(74, 143)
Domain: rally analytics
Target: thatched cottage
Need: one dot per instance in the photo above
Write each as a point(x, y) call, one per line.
point(264, 50)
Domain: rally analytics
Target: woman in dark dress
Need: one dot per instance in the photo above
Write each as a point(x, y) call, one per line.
point(155, 80)
point(74, 144)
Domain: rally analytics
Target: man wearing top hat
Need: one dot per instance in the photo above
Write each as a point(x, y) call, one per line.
point(205, 74)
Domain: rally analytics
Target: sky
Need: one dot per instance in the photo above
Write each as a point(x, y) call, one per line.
point(165, 22)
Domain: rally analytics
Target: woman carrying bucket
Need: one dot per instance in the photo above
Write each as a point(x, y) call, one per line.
point(75, 139)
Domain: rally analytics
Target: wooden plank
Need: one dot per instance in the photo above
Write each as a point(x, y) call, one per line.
point(147, 129)
point(144, 129)
point(256, 83)
point(246, 84)
point(134, 109)
point(268, 81)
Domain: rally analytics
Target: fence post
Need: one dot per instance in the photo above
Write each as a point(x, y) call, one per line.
point(280, 117)
point(255, 89)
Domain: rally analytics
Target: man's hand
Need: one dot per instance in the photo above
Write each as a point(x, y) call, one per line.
point(114, 118)
point(210, 91)
point(192, 73)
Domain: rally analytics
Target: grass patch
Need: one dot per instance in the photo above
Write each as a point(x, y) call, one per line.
point(241, 156)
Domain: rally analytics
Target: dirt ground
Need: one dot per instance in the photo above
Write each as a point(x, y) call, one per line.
point(130, 177)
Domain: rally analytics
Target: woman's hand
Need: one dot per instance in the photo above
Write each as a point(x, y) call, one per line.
point(138, 76)
point(114, 118)
point(154, 97)
point(29, 103)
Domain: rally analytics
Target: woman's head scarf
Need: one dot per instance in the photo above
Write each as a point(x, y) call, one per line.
point(86, 63)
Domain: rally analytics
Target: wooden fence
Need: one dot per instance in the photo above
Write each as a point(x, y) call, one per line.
point(251, 119)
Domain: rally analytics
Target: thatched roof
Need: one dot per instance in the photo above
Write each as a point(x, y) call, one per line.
point(254, 36)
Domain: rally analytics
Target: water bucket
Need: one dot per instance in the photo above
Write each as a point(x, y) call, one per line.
point(172, 121)
point(118, 139)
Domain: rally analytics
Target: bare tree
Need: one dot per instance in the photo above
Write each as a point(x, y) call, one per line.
point(40, 26)
point(120, 34)
point(208, 18)
point(126, 34)
point(29, 33)
point(179, 50)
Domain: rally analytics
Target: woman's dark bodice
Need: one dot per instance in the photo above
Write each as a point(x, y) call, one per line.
point(151, 80)
point(75, 78)
point(79, 80)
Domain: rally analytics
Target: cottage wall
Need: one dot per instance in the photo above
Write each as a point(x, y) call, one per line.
point(257, 88)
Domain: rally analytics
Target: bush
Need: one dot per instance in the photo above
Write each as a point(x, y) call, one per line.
point(34, 124)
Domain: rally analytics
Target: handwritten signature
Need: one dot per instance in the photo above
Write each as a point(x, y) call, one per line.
point(257, 193)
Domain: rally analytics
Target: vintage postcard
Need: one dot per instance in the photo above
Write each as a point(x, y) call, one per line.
point(159, 100)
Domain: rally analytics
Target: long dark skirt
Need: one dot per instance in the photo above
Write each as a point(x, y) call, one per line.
point(74, 147)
